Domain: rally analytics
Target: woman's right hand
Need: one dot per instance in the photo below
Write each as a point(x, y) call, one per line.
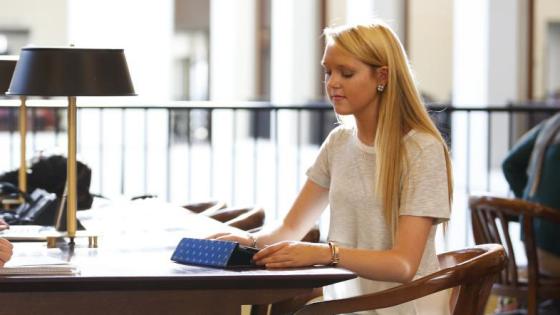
point(241, 238)
point(6, 251)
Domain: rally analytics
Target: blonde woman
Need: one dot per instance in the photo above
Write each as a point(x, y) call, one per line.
point(387, 179)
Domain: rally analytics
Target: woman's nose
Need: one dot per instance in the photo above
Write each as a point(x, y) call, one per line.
point(332, 82)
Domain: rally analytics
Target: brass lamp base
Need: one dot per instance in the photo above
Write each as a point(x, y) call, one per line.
point(53, 241)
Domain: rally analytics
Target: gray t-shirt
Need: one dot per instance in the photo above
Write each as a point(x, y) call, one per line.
point(347, 168)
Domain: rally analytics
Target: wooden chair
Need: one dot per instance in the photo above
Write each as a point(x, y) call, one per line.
point(470, 271)
point(227, 214)
point(490, 224)
point(313, 236)
point(250, 220)
point(206, 207)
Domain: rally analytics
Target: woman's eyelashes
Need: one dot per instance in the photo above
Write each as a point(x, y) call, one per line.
point(346, 74)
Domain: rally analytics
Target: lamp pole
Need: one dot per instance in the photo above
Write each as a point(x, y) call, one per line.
point(71, 172)
point(22, 175)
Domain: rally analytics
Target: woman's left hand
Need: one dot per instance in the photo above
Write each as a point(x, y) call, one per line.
point(6, 251)
point(293, 254)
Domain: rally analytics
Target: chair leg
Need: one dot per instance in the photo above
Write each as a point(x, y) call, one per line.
point(532, 298)
point(532, 306)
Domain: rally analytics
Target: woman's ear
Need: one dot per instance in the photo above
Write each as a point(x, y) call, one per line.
point(382, 74)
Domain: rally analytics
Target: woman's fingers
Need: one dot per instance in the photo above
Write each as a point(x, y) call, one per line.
point(241, 239)
point(284, 264)
point(270, 250)
point(3, 225)
point(6, 251)
point(4, 243)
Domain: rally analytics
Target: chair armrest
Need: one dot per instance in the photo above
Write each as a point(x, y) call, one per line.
point(391, 297)
point(488, 263)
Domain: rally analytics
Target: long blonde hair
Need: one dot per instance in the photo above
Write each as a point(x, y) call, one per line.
point(400, 106)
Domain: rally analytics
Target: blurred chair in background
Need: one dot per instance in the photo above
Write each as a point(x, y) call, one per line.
point(208, 207)
point(490, 223)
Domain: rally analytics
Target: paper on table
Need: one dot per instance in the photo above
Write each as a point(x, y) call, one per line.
point(37, 266)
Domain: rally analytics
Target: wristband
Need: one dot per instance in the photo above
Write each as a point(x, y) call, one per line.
point(335, 257)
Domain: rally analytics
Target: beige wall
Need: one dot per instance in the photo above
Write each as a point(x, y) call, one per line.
point(46, 21)
point(546, 11)
point(431, 46)
point(336, 12)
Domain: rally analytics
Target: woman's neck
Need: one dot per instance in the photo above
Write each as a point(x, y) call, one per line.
point(366, 125)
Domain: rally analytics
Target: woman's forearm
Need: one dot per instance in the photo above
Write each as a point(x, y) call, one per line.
point(388, 265)
point(307, 207)
point(397, 264)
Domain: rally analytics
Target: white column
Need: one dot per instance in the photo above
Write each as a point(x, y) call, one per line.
point(232, 50)
point(470, 77)
point(507, 51)
point(295, 40)
point(430, 47)
point(295, 79)
point(233, 71)
point(488, 63)
point(390, 11)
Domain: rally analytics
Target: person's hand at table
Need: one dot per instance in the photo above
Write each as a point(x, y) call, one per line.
point(3, 225)
point(241, 238)
point(6, 251)
point(293, 254)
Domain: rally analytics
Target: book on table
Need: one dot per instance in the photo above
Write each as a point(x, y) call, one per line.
point(37, 265)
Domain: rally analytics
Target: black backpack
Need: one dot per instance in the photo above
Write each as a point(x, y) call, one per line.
point(49, 173)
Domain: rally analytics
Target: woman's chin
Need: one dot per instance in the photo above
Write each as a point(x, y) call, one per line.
point(341, 111)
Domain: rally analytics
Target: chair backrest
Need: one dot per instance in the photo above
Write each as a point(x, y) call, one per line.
point(313, 236)
point(226, 214)
point(249, 220)
point(490, 222)
point(473, 270)
point(206, 207)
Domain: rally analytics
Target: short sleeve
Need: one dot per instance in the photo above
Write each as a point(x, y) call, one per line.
point(425, 191)
point(319, 172)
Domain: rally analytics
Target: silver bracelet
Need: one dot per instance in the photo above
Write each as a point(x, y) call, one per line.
point(253, 240)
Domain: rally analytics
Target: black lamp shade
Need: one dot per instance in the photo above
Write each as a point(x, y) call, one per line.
point(7, 67)
point(70, 71)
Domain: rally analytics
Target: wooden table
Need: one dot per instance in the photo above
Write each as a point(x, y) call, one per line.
point(131, 273)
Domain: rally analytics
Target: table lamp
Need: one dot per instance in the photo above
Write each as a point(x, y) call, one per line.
point(71, 72)
point(7, 66)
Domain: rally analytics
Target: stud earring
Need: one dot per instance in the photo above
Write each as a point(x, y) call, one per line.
point(380, 88)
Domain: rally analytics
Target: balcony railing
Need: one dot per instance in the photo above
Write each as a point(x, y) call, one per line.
point(244, 153)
